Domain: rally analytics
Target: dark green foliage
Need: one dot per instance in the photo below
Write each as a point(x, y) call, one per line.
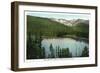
point(34, 49)
point(43, 52)
point(46, 27)
point(81, 30)
point(68, 54)
point(52, 51)
point(39, 28)
point(65, 53)
point(85, 52)
point(60, 34)
point(50, 28)
point(31, 51)
point(60, 52)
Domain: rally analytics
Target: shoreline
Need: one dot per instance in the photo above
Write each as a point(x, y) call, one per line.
point(68, 36)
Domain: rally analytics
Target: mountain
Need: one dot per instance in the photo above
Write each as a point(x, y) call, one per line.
point(63, 21)
point(57, 27)
point(72, 22)
point(78, 21)
point(45, 26)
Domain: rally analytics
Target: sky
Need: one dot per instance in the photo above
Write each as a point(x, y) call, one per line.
point(60, 15)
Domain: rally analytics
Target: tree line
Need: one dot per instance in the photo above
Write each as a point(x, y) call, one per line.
point(35, 51)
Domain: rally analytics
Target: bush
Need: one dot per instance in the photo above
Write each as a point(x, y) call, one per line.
point(85, 52)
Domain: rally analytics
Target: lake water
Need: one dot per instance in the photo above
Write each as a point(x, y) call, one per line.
point(75, 46)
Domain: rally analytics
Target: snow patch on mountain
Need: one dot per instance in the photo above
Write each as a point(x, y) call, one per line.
point(72, 22)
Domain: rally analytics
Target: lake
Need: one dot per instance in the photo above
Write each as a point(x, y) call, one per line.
point(75, 46)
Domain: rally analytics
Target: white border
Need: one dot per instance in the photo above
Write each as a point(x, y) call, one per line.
point(55, 62)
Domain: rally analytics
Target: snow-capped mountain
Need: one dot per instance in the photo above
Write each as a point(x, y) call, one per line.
point(73, 22)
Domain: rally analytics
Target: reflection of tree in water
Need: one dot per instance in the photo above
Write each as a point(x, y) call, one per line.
point(85, 52)
point(59, 52)
point(35, 51)
point(52, 51)
point(65, 52)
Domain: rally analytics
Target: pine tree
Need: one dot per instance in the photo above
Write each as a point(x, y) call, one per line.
point(52, 51)
point(85, 52)
point(31, 54)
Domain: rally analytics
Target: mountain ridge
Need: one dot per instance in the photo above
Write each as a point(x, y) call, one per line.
point(51, 28)
point(72, 22)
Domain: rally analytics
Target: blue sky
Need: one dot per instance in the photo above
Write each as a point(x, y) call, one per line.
point(62, 15)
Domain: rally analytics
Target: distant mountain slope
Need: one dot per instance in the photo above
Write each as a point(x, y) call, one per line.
point(48, 27)
point(45, 26)
point(72, 22)
point(78, 21)
point(63, 21)
point(82, 29)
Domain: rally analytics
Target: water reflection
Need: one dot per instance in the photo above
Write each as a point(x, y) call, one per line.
point(75, 46)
